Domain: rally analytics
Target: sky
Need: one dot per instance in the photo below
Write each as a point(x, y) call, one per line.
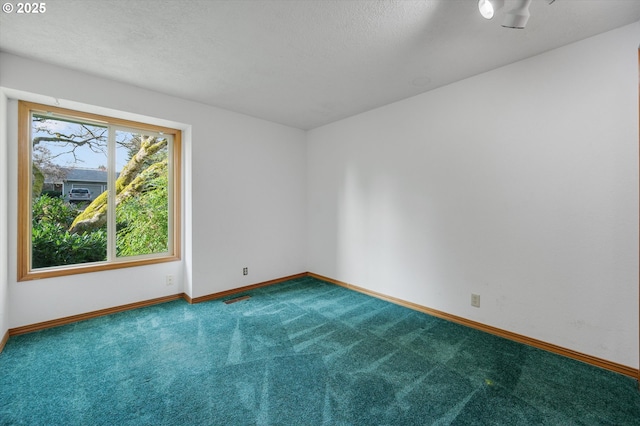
point(91, 156)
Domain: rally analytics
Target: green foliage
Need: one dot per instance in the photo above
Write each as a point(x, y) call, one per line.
point(51, 242)
point(52, 193)
point(53, 245)
point(143, 221)
point(38, 181)
point(53, 210)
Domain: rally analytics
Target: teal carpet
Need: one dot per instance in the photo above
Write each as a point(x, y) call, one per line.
point(302, 352)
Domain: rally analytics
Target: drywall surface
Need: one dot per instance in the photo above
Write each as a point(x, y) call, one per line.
point(249, 203)
point(244, 196)
point(520, 185)
point(4, 296)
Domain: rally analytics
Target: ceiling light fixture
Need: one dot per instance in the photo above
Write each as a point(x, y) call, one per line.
point(518, 16)
point(488, 8)
point(514, 18)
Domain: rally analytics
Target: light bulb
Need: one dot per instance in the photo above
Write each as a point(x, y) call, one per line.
point(486, 9)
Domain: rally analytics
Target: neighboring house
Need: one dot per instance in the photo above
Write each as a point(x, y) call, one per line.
point(95, 180)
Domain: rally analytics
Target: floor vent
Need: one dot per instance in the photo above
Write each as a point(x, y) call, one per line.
point(237, 299)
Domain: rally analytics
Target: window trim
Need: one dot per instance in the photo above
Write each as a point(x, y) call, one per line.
point(25, 272)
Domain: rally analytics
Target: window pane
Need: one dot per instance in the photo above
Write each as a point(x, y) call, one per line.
point(94, 192)
point(142, 194)
point(68, 171)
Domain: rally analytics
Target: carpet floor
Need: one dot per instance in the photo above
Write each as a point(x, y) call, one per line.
point(302, 352)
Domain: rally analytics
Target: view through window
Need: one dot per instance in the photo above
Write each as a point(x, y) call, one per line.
point(94, 192)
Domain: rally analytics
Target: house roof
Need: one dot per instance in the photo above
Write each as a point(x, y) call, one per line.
point(86, 175)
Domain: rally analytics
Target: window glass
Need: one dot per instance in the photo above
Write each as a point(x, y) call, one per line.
point(142, 208)
point(96, 191)
point(68, 158)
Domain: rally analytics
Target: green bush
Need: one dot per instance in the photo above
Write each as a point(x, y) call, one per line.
point(51, 242)
point(53, 245)
point(53, 210)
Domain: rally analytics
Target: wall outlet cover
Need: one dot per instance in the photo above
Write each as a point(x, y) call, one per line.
point(475, 300)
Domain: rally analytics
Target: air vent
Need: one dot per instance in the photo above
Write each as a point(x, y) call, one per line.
point(237, 299)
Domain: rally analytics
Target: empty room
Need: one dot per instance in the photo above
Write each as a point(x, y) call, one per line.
point(336, 212)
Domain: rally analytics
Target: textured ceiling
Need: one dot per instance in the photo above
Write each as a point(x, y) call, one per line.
point(299, 63)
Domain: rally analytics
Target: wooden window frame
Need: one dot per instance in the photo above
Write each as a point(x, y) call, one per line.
point(25, 271)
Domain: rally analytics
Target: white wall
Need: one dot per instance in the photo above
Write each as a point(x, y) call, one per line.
point(4, 297)
point(244, 190)
point(520, 184)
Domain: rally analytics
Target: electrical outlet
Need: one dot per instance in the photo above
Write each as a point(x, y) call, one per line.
point(475, 300)
point(245, 271)
point(169, 280)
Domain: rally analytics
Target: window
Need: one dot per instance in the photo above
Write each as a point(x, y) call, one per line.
point(94, 192)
